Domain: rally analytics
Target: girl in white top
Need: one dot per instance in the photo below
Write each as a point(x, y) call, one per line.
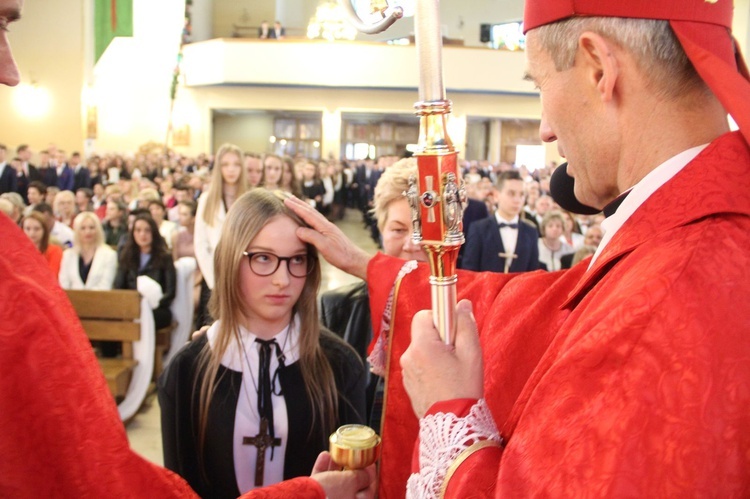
point(90, 263)
point(551, 244)
point(265, 369)
point(228, 182)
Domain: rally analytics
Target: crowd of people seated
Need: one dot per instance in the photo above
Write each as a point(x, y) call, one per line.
point(526, 230)
point(511, 223)
point(130, 219)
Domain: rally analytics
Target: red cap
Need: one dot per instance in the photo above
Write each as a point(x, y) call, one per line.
point(703, 28)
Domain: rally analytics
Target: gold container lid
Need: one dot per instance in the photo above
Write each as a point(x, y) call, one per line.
point(354, 436)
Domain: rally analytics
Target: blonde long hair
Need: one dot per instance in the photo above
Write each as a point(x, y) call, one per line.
point(248, 215)
point(216, 189)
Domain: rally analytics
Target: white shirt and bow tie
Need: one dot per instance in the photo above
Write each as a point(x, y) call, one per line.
point(509, 236)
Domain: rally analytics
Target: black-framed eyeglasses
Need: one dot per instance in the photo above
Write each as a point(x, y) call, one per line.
point(265, 264)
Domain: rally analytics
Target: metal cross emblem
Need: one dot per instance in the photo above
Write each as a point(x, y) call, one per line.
point(262, 441)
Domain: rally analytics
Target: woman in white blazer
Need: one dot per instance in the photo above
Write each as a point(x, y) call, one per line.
point(89, 264)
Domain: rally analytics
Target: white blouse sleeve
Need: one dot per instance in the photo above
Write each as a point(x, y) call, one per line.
point(204, 253)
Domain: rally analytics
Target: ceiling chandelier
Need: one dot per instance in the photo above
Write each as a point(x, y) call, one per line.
point(330, 23)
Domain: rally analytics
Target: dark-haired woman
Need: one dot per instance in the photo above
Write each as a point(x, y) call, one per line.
point(145, 254)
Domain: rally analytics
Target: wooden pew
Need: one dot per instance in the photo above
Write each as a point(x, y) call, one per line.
point(111, 316)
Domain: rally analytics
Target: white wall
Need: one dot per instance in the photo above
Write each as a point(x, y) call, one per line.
point(133, 77)
point(348, 64)
point(48, 48)
point(244, 12)
point(250, 132)
point(741, 26)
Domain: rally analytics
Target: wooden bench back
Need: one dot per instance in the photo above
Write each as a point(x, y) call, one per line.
point(109, 315)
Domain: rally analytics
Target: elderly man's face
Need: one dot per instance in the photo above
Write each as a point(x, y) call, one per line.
point(574, 115)
point(593, 236)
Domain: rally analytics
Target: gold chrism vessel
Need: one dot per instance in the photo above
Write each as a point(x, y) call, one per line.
point(354, 446)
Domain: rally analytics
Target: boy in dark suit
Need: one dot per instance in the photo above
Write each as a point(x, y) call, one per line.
point(81, 174)
point(503, 242)
point(7, 172)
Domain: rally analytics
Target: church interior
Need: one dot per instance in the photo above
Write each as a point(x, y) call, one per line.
point(120, 77)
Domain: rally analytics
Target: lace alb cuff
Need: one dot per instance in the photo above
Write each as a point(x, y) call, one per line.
point(442, 439)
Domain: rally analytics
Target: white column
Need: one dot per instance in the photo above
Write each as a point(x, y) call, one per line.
point(295, 15)
point(457, 132)
point(494, 142)
point(741, 25)
point(202, 18)
point(331, 134)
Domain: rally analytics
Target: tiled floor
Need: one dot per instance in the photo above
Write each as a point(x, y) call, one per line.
point(144, 430)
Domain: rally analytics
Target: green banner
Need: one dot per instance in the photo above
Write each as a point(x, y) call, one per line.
point(111, 18)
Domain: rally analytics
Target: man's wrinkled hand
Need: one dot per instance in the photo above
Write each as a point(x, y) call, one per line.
point(330, 241)
point(434, 371)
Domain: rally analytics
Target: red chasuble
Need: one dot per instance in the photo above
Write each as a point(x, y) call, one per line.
point(632, 378)
point(61, 433)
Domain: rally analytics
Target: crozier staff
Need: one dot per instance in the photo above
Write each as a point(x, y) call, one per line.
point(595, 380)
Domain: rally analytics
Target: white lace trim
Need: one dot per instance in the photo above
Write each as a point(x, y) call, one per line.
point(442, 438)
point(378, 359)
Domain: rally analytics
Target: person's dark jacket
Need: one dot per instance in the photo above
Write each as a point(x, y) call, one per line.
point(164, 274)
point(346, 311)
point(179, 400)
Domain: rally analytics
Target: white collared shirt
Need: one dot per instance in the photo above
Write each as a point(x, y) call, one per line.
point(246, 419)
point(641, 191)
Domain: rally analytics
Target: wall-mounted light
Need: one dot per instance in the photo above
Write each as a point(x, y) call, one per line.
point(32, 100)
point(272, 139)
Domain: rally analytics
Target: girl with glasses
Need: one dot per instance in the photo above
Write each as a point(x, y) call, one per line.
point(253, 401)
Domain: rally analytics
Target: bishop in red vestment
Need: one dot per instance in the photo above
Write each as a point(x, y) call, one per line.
point(628, 378)
point(628, 375)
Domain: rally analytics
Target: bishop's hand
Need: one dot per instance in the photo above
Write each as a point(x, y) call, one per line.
point(330, 241)
point(434, 371)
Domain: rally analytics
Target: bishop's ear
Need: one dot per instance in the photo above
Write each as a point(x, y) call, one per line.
point(599, 59)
